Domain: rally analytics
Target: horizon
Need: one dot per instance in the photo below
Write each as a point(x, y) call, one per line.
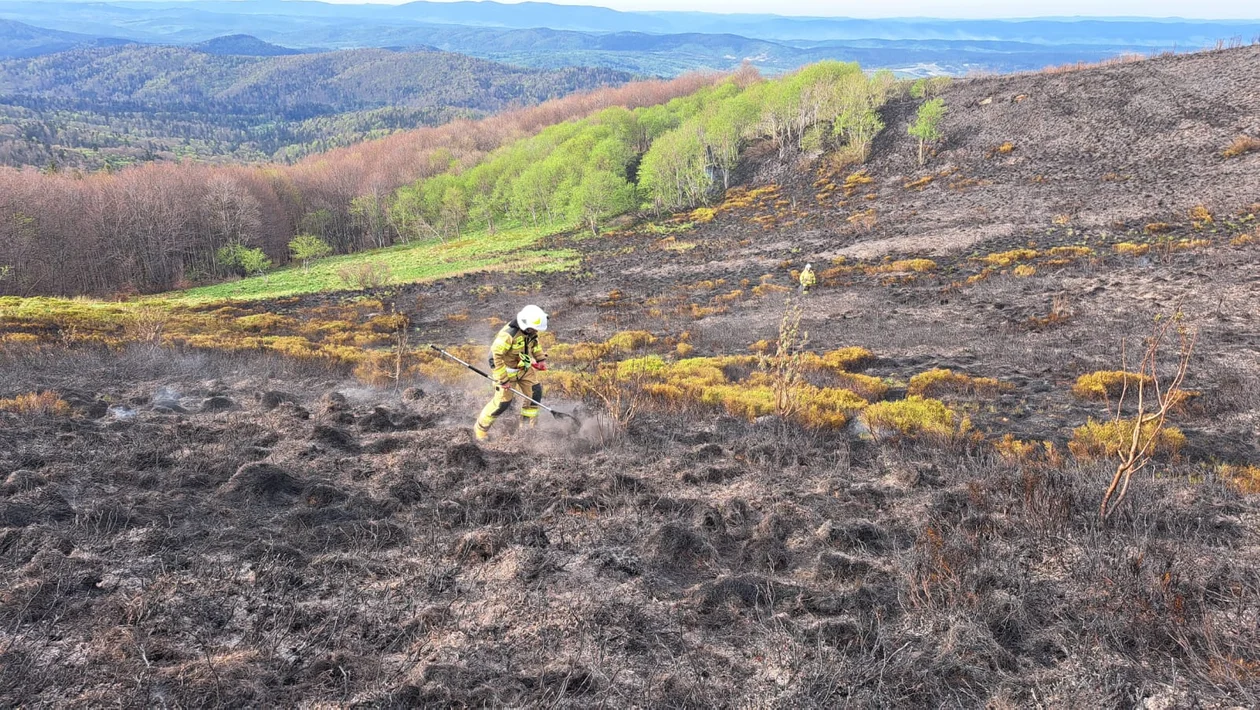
point(949, 10)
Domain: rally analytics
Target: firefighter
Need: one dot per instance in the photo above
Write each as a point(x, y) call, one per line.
point(807, 278)
point(515, 358)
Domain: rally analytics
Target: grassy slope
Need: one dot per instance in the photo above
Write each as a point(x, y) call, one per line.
point(508, 250)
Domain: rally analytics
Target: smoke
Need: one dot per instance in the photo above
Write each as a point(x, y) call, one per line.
point(599, 429)
point(166, 396)
point(358, 393)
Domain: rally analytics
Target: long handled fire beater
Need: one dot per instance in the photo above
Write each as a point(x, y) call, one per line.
point(569, 418)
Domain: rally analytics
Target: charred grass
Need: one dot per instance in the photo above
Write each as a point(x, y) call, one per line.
point(277, 550)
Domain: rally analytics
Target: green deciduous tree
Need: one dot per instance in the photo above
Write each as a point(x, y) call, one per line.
point(406, 214)
point(254, 261)
point(305, 247)
point(454, 210)
point(369, 213)
point(243, 259)
point(674, 172)
point(927, 125)
point(601, 194)
point(724, 131)
point(857, 121)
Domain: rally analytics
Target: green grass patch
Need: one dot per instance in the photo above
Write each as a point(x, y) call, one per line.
point(507, 250)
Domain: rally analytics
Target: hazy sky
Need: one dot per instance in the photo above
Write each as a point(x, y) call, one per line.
point(1201, 9)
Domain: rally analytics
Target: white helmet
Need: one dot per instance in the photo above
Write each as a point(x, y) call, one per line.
point(531, 317)
point(809, 266)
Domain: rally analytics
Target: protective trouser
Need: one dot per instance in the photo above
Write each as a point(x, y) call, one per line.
point(527, 384)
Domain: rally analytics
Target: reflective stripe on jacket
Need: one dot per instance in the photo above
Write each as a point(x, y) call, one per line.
point(513, 351)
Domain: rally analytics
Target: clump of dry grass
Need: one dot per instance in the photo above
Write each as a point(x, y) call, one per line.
point(630, 340)
point(1060, 313)
point(1241, 146)
point(1243, 478)
point(1108, 384)
point(1025, 453)
point(1006, 258)
point(19, 339)
point(1096, 440)
point(1188, 244)
point(939, 381)
point(36, 404)
point(702, 215)
point(1243, 240)
point(1071, 252)
point(847, 359)
point(918, 266)
point(269, 323)
point(866, 219)
point(1201, 217)
point(855, 181)
point(915, 417)
point(1131, 249)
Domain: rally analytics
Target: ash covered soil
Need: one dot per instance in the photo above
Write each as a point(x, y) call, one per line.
point(211, 529)
point(272, 536)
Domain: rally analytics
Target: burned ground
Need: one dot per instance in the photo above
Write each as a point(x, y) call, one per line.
point(204, 529)
point(247, 556)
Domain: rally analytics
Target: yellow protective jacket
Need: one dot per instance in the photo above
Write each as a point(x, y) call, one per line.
point(807, 278)
point(513, 352)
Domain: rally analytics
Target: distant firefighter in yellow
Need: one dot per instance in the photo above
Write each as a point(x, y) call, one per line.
point(515, 358)
point(807, 278)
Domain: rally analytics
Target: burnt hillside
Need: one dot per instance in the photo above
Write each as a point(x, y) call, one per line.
point(197, 528)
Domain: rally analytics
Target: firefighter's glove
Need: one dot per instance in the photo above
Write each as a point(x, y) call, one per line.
point(540, 366)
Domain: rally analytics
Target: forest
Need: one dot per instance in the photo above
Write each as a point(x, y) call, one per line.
point(647, 146)
point(155, 226)
point(107, 107)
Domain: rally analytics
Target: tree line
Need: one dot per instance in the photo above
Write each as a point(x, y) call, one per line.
point(157, 226)
point(663, 157)
point(654, 145)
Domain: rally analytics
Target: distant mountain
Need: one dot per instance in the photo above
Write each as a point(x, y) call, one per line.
point(306, 84)
point(651, 54)
point(18, 39)
point(200, 20)
point(545, 35)
point(245, 46)
point(92, 107)
point(528, 15)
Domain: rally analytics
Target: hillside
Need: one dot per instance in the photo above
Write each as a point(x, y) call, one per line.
point(244, 45)
point(883, 493)
point(86, 108)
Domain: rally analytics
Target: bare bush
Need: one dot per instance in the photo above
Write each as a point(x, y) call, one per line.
point(1154, 403)
point(365, 275)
